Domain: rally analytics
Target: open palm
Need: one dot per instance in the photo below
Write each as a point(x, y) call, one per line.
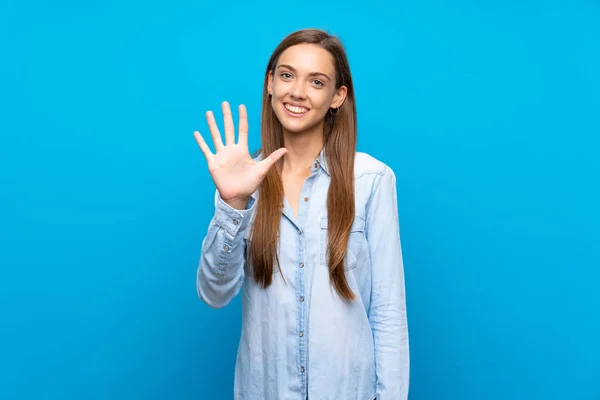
point(235, 174)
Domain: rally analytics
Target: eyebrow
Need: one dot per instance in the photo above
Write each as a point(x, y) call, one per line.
point(311, 74)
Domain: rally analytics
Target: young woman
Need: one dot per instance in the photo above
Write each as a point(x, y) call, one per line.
point(308, 232)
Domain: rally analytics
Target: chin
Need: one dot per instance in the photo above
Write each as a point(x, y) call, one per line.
point(294, 126)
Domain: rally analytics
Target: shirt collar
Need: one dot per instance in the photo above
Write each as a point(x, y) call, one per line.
point(322, 161)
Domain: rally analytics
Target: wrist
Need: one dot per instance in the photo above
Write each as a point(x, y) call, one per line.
point(238, 203)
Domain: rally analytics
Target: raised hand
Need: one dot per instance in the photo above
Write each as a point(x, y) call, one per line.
point(235, 174)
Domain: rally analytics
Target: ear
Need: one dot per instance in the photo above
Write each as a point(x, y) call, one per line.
point(270, 82)
point(339, 96)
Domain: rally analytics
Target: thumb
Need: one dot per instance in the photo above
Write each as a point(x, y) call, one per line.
point(268, 162)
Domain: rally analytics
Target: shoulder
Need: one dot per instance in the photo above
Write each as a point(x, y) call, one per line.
point(374, 184)
point(257, 155)
point(366, 165)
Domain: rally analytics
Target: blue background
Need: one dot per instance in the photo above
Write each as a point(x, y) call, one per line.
point(488, 114)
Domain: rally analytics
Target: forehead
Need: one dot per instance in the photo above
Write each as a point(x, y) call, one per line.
point(308, 58)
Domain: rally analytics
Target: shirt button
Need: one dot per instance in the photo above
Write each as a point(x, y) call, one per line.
point(226, 248)
point(316, 165)
point(301, 265)
point(235, 221)
point(301, 299)
point(305, 199)
point(302, 369)
point(301, 334)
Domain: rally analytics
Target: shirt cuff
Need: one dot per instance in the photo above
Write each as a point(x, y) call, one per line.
point(231, 219)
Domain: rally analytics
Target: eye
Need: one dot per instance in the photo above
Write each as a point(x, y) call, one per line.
point(318, 82)
point(286, 75)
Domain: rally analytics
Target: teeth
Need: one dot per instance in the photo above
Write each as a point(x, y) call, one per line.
point(296, 110)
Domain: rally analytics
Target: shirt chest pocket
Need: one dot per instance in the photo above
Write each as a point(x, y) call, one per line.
point(356, 243)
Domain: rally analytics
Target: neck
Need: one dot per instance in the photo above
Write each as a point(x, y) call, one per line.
point(302, 150)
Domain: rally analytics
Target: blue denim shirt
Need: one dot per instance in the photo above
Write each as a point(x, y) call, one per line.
point(299, 339)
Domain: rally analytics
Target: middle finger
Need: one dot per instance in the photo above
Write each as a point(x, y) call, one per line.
point(228, 121)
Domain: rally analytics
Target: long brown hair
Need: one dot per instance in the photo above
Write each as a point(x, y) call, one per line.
point(340, 148)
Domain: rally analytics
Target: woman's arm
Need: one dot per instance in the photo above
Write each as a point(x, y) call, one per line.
point(221, 269)
point(387, 313)
point(236, 176)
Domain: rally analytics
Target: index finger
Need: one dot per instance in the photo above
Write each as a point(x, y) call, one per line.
point(243, 126)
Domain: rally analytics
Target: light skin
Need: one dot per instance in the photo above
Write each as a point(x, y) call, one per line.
point(304, 77)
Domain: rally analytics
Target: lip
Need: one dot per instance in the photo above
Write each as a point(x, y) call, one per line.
point(288, 112)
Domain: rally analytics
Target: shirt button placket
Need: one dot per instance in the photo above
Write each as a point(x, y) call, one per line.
point(301, 299)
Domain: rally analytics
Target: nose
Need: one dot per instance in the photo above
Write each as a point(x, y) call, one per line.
point(298, 91)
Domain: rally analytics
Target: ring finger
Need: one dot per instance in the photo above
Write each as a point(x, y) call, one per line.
point(214, 131)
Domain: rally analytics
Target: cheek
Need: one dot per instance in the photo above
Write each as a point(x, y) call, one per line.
point(321, 101)
point(320, 106)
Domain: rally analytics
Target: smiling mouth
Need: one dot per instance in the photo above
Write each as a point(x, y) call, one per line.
point(295, 110)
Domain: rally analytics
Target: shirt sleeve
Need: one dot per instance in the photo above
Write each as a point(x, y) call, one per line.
point(387, 312)
point(220, 271)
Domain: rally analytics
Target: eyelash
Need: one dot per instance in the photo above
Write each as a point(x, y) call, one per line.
point(321, 84)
